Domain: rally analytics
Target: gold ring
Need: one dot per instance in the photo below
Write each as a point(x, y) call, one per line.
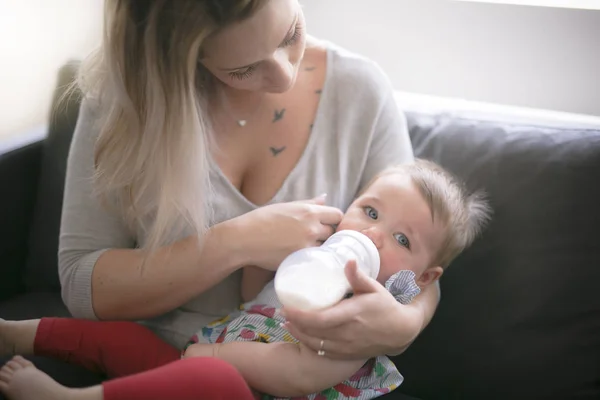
point(321, 352)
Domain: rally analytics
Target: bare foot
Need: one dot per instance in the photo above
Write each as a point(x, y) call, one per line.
point(21, 380)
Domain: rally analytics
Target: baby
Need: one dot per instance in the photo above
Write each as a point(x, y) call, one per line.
point(418, 216)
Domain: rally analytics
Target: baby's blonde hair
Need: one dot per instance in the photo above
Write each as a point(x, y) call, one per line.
point(462, 214)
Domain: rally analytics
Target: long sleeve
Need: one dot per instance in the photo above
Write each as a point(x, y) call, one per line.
point(87, 229)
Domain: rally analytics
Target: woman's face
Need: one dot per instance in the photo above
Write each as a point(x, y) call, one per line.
point(261, 53)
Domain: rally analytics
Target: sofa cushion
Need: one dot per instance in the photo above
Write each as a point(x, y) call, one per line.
point(33, 305)
point(41, 272)
point(19, 171)
point(519, 316)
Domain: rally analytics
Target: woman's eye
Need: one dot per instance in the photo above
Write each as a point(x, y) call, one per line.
point(297, 34)
point(371, 212)
point(243, 73)
point(402, 240)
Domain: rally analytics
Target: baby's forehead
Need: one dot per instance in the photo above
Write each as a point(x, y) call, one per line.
point(390, 183)
point(388, 191)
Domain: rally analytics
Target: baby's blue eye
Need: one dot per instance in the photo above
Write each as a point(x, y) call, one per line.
point(402, 240)
point(371, 212)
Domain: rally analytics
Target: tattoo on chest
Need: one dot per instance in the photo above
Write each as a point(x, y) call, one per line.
point(276, 150)
point(278, 115)
point(318, 91)
point(311, 126)
point(310, 68)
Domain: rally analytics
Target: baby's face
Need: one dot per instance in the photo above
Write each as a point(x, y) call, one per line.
point(395, 216)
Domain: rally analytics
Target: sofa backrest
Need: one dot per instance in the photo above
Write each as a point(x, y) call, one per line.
point(41, 270)
point(519, 315)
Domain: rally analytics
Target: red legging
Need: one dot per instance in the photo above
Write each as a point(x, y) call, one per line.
point(145, 367)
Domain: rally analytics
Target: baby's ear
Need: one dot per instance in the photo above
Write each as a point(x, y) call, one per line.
point(430, 275)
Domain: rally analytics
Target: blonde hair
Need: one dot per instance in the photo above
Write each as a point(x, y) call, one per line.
point(151, 157)
point(462, 214)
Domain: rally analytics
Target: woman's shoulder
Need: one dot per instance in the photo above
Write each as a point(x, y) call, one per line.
point(356, 73)
point(89, 117)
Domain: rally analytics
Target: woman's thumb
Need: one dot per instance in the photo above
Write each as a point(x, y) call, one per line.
point(320, 200)
point(359, 281)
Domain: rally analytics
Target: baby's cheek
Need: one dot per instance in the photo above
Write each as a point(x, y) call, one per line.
point(346, 224)
point(390, 264)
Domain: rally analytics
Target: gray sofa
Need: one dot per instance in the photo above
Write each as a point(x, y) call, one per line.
point(519, 316)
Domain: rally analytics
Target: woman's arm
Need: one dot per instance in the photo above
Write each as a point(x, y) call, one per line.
point(427, 301)
point(424, 306)
point(172, 276)
point(254, 280)
point(100, 271)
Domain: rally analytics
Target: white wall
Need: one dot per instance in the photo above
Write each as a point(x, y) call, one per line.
point(36, 38)
point(538, 57)
point(528, 56)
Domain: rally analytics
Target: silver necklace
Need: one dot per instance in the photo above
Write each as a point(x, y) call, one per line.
point(241, 122)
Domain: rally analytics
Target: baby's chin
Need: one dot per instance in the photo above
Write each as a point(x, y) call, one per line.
point(381, 280)
point(383, 277)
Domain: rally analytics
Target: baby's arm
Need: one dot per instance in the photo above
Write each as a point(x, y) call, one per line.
point(280, 369)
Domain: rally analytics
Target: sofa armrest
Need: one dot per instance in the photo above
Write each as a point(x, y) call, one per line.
point(19, 170)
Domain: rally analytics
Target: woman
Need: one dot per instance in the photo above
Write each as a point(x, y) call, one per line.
point(206, 127)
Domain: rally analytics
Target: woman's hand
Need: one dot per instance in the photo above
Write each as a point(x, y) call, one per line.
point(273, 232)
point(369, 324)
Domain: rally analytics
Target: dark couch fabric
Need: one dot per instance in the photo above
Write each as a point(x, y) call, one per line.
point(19, 171)
point(40, 268)
point(519, 317)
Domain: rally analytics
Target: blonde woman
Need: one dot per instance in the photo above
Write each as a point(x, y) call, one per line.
point(208, 132)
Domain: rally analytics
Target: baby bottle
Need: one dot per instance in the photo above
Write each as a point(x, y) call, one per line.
point(313, 278)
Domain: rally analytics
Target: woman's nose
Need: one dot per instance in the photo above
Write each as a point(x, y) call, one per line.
point(281, 74)
point(375, 235)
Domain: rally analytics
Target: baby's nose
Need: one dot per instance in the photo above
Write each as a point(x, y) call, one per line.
point(375, 235)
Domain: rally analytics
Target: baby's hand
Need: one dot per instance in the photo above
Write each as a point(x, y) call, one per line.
point(202, 350)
